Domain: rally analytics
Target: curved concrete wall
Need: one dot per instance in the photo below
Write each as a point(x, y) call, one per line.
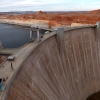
point(66, 71)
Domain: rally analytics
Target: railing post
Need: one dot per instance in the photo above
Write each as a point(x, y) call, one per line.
point(98, 31)
point(38, 36)
point(31, 36)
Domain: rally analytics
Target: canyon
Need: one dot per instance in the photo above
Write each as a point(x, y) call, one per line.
point(53, 19)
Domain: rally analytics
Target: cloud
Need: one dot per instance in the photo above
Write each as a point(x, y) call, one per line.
point(47, 5)
point(28, 2)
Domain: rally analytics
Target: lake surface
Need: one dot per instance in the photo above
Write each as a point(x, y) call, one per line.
point(13, 36)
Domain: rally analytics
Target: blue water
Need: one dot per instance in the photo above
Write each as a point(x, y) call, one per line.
point(13, 36)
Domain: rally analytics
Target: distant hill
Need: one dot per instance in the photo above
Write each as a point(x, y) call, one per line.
point(41, 12)
point(95, 11)
point(55, 17)
point(17, 12)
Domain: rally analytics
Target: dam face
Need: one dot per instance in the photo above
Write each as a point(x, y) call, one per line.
point(63, 67)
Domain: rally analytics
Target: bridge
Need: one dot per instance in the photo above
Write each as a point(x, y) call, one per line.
point(65, 65)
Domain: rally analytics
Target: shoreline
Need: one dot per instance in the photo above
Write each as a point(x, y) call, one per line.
point(40, 23)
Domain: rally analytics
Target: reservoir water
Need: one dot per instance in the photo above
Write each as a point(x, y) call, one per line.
point(13, 36)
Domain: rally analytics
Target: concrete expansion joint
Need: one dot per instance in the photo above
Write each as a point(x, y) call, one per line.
point(97, 29)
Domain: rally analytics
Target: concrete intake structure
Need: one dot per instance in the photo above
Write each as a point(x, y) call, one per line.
point(64, 66)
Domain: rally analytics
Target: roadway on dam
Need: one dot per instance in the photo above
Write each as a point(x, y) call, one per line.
point(20, 56)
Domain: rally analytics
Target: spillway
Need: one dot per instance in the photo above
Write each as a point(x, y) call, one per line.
point(64, 66)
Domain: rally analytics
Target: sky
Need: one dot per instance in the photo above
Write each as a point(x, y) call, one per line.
point(49, 5)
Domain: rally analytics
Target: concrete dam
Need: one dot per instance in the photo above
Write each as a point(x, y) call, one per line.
point(65, 65)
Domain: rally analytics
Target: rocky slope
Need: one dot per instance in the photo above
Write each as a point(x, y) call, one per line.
point(2, 58)
point(95, 11)
point(56, 19)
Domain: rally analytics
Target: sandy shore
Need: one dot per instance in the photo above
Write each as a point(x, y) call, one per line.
point(39, 23)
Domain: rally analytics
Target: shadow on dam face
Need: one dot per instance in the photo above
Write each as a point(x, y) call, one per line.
point(63, 67)
point(95, 96)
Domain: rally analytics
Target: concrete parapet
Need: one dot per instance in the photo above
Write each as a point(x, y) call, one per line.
point(60, 39)
point(98, 31)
